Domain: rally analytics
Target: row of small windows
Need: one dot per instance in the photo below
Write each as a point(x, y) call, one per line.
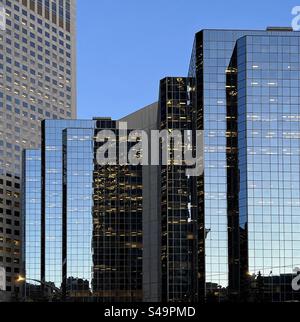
point(32, 72)
point(12, 167)
point(10, 146)
point(40, 102)
point(48, 79)
point(9, 231)
point(9, 203)
point(9, 260)
point(40, 31)
point(32, 26)
point(40, 49)
point(9, 269)
point(17, 102)
point(17, 110)
point(34, 118)
point(24, 104)
point(10, 156)
point(9, 212)
point(8, 175)
point(57, 13)
point(10, 193)
point(9, 250)
point(9, 183)
point(11, 136)
point(10, 222)
point(25, 59)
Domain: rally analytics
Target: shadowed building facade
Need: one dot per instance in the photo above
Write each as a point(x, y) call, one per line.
point(117, 225)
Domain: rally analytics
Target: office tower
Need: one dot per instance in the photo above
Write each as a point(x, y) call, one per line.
point(53, 227)
point(77, 207)
point(268, 83)
point(246, 249)
point(32, 207)
point(118, 225)
point(178, 240)
point(37, 81)
point(220, 258)
point(90, 221)
point(46, 174)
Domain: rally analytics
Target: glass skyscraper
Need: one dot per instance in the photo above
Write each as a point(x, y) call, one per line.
point(32, 207)
point(178, 242)
point(37, 81)
point(77, 208)
point(117, 227)
point(86, 219)
point(157, 234)
point(268, 83)
point(216, 107)
point(53, 197)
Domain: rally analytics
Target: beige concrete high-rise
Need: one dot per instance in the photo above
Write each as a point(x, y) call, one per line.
point(37, 81)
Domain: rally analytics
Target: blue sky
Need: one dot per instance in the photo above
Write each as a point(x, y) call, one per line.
point(126, 46)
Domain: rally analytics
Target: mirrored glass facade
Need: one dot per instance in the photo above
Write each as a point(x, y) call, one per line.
point(219, 259)
point(77, 206)
point(88, 217)
point(52, 196)
point(117, 227)
point(178, 224)
point(229, 234)
point(32, 224)
point(268, 84)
